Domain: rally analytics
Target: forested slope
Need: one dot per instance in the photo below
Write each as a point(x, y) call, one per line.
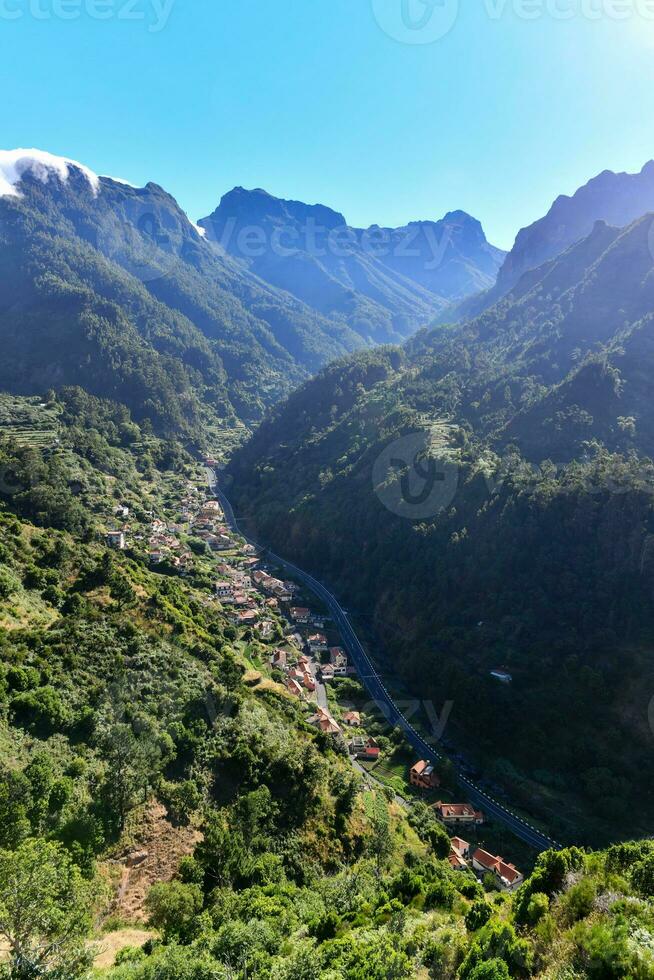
point(534, 426)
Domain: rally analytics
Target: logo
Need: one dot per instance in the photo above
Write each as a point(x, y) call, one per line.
point(141, 241)
point(416, 21)
point(410, 481)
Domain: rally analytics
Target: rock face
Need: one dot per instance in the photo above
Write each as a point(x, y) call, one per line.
point(617, 199)
point(384, 282)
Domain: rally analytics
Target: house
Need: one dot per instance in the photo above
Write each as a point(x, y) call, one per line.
point(455, 814)
point(324, 721)
point(224, 589)
point(317, 642)
point(327, 673)
point(459, 851)
point(457, 862)
point(299, 614)
point(506, 875)
point(336, 654)
point(297, 674)
point(462, 847)
point(278, 659)
point(293, 687)
point(308, 681)
point(423, 775)
point(352, 718)
point(502, 675)
point(122, 511)
point(116, 539)
point(220, 542)
point(156, 557)
point(364, 748)
point(247, 618)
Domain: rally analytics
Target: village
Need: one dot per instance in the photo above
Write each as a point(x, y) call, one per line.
point(304, 657)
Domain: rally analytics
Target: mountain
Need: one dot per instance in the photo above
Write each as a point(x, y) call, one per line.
point(615, 198)
point(384, 283)
point(484, 496)
point(111, 287)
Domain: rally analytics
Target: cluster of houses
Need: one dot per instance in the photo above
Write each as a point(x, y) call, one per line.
point(165, 544)
point(252, 595)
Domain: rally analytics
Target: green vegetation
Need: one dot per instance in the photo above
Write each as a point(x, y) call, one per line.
point(536, 555)
point(121, 686)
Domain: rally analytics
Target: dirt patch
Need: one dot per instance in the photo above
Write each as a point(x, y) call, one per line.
point(111, 944)
point(154, 855)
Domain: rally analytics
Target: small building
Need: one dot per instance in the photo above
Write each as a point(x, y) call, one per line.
point(423, 775)
point(327, 673)
point(457, 861)
point(308, 681)
point(299, 614)
point(507, 875)
point(364, 748)
point(456, 814)
point(352, 718)
point(224, 589)
point(278, 659)
point(336, 655)
point(116, 539)
point(317, 642)
point(324, 722)
point(293, 687)
point(122, 511)
point(462, 847)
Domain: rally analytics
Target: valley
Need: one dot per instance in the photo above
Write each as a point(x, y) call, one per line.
point(260, 514)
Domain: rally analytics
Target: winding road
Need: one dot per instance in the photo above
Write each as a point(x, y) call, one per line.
point(375, 687)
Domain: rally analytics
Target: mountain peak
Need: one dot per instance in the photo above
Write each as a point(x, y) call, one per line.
point(40, 164)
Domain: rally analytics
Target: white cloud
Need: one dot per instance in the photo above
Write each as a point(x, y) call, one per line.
point(15, 163)
point(118, 180)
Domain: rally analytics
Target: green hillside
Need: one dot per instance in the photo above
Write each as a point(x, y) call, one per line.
point(534, 550)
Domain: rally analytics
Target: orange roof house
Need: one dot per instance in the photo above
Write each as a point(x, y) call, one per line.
point(453, 814)
point(423, 775)
point(507, 875)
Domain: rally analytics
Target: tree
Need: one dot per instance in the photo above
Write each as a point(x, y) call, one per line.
point(45, 912)
point(381, 841)
point(477, 915)
point(173, 908)
point(132, 767)
point(490, 970)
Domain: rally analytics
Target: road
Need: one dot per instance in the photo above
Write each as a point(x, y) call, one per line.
point(375, 687)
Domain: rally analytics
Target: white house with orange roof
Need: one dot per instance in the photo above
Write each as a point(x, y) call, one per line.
point(458, 814)
point(507, 875)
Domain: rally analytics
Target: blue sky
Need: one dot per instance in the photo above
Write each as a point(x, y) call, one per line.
point(322, 100)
